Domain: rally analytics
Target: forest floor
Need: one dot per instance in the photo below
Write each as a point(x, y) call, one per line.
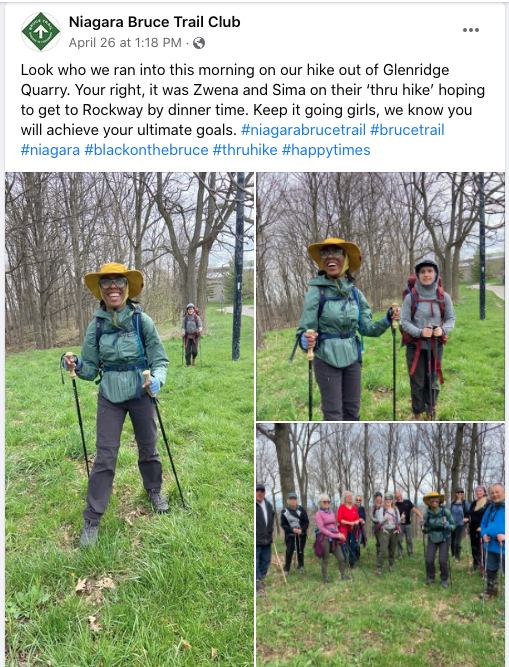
point(473, 369)
point(173, 589)
point(390, 621)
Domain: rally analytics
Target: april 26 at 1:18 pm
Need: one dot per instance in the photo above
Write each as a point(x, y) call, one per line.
point(129, 42)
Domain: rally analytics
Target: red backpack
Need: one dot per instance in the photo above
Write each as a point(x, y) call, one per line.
point(416, 300)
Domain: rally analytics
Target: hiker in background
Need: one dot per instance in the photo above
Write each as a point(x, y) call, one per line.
point(459, 510)
point(389, 519)
point(119, 344)
point(361, 538)
point(405, 508)
point(427, 317)
point(477, 510)
point(438, 525)
point(377, 504)
point(348, 523)
point(328, 538)
point(493, 535)
point(295, 522)
point(191, 331)
point(336, 310)
point(264, 531)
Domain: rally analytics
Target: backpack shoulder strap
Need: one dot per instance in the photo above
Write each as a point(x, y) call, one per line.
point(321, 303)
point(99, 329)
point(441, 300)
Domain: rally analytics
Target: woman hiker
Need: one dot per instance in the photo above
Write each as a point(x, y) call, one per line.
point(389, 520)
point(477, 510)
point(191, 331)
point(362, 538)
point(120, 343)
point(328, 538)
point(459, 510)
point(335, 310)
point(349, 524)
point(438, 525)
point(427, 317)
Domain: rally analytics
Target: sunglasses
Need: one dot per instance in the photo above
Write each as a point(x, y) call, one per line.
point(325, 502)
point(335, 252)
point(358, 500)
point(119, 281)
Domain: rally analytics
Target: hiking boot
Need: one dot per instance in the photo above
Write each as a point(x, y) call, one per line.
point(89, 535)
point(287, 572)
point(444, 583)
point(259, 588)
point(326, 580)
point(159, 504)
point(491, 590)
point(345, 577)
point(391, 568)
point(193, 362)
point(379, 571)
point(429, 581)
point(430, 416)
point(301, 570)
point(418, 417)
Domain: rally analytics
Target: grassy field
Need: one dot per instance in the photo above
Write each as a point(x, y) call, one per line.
point(473, 369)
point(174, 589)
point(392, 621)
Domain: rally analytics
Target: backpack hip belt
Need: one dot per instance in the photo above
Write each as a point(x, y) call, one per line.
point(123, 368)
point(438, 366)
point(351, 334)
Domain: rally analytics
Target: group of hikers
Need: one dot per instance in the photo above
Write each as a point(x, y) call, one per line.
point(342, 533)
point(337, 316)
point(120, 343)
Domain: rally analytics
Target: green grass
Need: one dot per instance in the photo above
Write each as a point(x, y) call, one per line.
point(181, 577)
point(391, 621)
point(473, 369)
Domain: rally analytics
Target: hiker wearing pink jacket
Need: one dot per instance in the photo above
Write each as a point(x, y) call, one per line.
point(329, 538)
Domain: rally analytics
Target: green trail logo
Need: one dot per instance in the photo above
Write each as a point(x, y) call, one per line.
point(39, 32)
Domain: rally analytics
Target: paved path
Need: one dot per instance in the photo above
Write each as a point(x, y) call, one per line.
point(498, 289)
point(246, 310)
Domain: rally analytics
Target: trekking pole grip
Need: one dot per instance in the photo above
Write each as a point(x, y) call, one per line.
point(310, 352)
point(72, 372)
point(146, 377)
point(394, 323)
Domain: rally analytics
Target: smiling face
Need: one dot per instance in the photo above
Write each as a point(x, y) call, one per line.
point(348, 499)
point(113, 289)
point(388, 503)
point(358, 500)
point(433, 503)
point(398, 497)
point(333, 259)
point(479, 493)
point(260, 495)
point(497, 493)
point(426, 275)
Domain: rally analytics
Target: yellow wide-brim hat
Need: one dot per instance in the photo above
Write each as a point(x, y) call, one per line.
point(134, 279)
point(434, 494)
point(352, 250)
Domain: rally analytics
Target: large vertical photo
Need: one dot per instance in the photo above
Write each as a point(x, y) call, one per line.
point(385, 292)
point(380, 544)
point(129, 447)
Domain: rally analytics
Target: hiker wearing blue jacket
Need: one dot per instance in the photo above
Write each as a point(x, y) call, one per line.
point(460, 512)
point(119, 344)
point(427, 317)
point(493, 535)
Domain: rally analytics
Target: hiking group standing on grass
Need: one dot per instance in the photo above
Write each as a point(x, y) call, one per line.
point(336, 318)
point(341, 534)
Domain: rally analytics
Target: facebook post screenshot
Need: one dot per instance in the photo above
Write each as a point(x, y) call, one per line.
point(175, 336)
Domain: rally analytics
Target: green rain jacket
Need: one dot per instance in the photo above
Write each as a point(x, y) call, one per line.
point(122, 348)
point(338, 317)
point(434, 524)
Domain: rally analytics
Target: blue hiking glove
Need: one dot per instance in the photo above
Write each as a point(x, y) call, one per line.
point(447, 524)
point(304, 342)
point(154, 386)
point(77, 361)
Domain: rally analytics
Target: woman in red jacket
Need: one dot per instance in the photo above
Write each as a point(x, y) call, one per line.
point(349, 524)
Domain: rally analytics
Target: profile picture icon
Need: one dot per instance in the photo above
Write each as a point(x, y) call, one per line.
point(41, 32)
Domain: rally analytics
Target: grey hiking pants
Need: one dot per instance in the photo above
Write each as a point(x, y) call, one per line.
point(110, 420)
point(406, 531)
point(340, 389)
point(338, 554)
point(456, 539)
point(443, 548)
point(419, 381)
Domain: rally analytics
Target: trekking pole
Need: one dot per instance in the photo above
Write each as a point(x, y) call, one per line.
point(279, 563)
point(358, 563)
point(146, 375)
point(394, 325)
point(201, 352)
point(484, 578)
point(310, 356)
point(183, 339)
point(73, 378)
point(466, 547)
point(430, 382)
point(482, 556)
point(295, 551)
point(502, 598)
point(424, 550)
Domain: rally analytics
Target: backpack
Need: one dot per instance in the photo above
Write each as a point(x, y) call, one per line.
point(440, 297)
point(407, 338)
point(138, 327)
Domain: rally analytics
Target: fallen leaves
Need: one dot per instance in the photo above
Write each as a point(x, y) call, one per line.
point(93, 589)
point(93, 624)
